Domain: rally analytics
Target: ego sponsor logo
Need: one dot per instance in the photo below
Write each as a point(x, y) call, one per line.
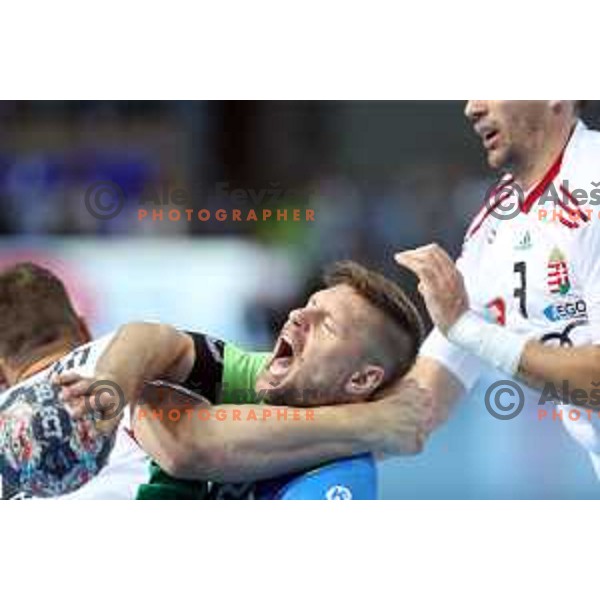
point(565, 311)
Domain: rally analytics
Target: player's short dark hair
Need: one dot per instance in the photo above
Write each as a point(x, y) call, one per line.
point(579, 106)
point(35, 310)
point(396, 341)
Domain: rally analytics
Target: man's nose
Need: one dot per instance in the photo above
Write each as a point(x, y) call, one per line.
point(298, 318)
point(474, 109)
point(303, 317)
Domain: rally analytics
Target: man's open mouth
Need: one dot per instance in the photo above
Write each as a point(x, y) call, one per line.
point(283, 358)
point(489, 136)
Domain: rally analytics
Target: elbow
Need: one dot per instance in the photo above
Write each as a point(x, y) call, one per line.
point(196, 461)
point(174, 463)
point(181, 462)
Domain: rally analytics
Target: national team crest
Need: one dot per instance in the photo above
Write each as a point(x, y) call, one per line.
point(558, 273)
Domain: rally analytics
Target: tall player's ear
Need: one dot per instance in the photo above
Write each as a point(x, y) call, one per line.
point(83, 330)
point(364, 382)
point(558, 106)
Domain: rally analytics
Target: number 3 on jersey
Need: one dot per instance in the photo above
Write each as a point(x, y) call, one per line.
point(521, 290)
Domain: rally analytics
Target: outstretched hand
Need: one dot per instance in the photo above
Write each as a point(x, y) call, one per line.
point(440, 283)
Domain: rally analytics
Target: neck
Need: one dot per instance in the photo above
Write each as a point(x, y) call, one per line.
point(40, 359)
point(530, 172)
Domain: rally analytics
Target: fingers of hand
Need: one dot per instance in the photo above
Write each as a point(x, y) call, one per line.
point(106, 402)
point(66, 378)
point(76, 390)
point(419, 406)
point(431, 265)
point(107, 426)
point(441, 256)
point(105, 405)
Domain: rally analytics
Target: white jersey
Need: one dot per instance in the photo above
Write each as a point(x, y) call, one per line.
point(127, 466)
point(537, 273)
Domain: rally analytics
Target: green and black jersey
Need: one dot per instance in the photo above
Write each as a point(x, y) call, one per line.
point(223, 374)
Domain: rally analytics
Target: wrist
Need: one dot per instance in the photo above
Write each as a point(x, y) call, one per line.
point(375, 429)
point(446, 327)
point(496, 345)
point(115, 380)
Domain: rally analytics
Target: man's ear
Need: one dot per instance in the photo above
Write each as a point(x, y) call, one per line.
point(83, 330)
point(363, 383)
point(560, 106)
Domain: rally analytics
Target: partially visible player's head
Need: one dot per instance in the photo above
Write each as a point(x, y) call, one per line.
point(37, 319)
point(518, 134)
point(350, 340)
point(44, 452)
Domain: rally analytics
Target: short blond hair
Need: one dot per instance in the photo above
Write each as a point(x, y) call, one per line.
point(399, 337)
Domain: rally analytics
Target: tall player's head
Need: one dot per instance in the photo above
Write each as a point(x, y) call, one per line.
point(37, 320)
point(350, 340)
point(518, 134)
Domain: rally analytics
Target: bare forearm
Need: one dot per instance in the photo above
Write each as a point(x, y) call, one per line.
point(231, 446)
point(445, 390)
point(240, 443)
point(542, 365)
point(146, 351)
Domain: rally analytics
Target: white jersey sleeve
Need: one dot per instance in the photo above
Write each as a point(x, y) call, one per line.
point(83, 359)
point(466, 367)
point(588, 259)
point(582, 170)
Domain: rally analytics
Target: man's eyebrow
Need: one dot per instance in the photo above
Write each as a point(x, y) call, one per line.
point(326, 310)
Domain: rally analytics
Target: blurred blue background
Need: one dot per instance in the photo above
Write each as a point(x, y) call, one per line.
point(380, 176)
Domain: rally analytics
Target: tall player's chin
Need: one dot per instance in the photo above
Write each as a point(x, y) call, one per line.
point(497, 151)
point(497, 158)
